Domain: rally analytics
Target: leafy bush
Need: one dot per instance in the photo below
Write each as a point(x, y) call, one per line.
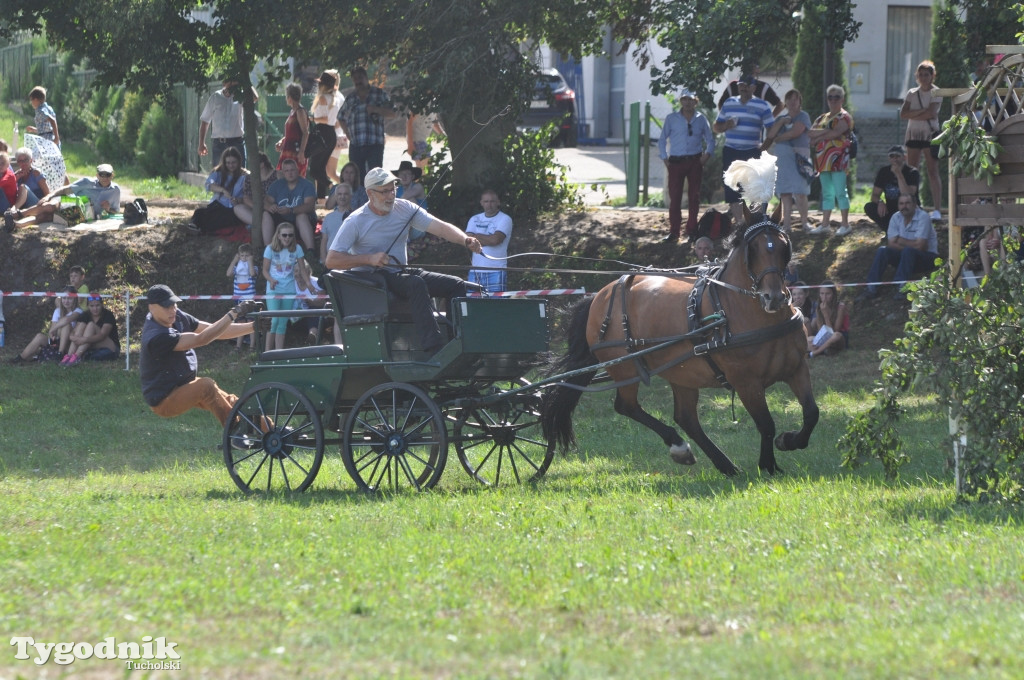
point(530, 180)
point(160, 149)
point(966, 346)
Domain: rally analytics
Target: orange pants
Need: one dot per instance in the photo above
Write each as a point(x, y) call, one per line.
point(200, 393)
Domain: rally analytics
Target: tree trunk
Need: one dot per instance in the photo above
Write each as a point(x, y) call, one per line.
point(476, 148)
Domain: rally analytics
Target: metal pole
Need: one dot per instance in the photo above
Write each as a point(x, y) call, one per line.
point(647, 150)
point(127, 329)
point(633, 165)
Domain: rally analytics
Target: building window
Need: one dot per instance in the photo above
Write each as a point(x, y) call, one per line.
point(908, 36)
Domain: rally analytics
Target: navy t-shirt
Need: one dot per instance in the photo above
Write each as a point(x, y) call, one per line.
point(160, 367)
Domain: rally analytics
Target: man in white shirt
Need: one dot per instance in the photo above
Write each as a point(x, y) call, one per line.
point(224, 113)
point(912, 247)
point(493, 229)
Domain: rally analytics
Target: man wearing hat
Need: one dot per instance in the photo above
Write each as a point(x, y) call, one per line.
point(373, 239)
point(168, 363)
point(762, 90)
point(743, 119)
point(362, 119)
point(103, 194)
point(685, 145)
point(890, 181)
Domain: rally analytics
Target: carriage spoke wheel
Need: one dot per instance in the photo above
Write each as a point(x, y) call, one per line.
point(274, 440)
point(394, 438)
point(503, 442)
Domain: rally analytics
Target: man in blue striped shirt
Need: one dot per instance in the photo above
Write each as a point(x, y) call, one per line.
point(685, 145)
point(743, 119)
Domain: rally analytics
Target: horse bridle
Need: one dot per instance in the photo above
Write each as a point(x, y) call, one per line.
point(770, 229)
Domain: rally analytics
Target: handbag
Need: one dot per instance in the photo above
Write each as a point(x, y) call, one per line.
point(805, 166)
point(854, 144)
point(314, 140)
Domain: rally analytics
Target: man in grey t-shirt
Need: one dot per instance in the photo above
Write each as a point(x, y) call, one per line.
point(372, 239)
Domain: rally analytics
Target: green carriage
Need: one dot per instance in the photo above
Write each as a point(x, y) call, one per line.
point(389, 408)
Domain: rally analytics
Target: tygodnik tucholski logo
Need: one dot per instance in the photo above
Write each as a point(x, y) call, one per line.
point(151, 654)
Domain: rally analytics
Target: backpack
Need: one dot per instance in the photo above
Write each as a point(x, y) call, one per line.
point(136, 213)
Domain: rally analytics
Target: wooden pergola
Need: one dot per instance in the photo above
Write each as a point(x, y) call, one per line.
point(973, 202)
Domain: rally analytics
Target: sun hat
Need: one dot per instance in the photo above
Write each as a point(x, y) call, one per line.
point(407, 165)
point(378, 177)
point(105, 167)
point(898, 148)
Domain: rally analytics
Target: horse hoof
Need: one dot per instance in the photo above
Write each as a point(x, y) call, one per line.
point(682, 454)
point(787, 441)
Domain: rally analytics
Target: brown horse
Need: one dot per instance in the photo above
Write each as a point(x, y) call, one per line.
point(749, 337)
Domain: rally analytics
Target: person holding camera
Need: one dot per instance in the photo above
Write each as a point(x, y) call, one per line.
point(168, 365)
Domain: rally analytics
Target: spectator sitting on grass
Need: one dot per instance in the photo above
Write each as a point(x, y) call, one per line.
point(53, 343)
point(95, 336)
point(104, 195)
point(829, 330)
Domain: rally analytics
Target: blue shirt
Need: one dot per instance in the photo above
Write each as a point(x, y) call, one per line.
point(685, 138)
point(754, 117)
point(294, 197)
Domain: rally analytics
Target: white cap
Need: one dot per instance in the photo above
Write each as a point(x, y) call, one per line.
point(378, 177)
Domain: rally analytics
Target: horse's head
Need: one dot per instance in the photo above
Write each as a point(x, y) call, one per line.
point(762, 251)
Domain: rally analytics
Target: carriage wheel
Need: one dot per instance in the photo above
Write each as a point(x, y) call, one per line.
point(274, 440)
point(395, 437)
point(503, 441)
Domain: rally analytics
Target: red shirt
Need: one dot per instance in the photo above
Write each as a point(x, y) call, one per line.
point(9, 185)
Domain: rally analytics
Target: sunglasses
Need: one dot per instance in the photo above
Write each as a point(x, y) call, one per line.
point(286, 235)
point(105, 174)
point(389, 190)
point(835, 96)
point(23, 160)
point(895, 155)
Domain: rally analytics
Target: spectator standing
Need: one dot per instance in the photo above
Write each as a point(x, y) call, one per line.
point(94, 337)
point(242, 272)
point(352, 176)
point(921, 111)
point(685, 145)
point(762, 90)
point(325, 116)
point(292, 200)
point(829, 330)
point(373, 240)
point(226, 182)
point(53, 343)
point(493, 228)
point(296, 131)
point(362, 119)
point(898, 177)
point(45, 119)
point(743, 119)
point(225, 115)
point(103, 193)
point(332, 221)
point(792, 151)
point(912, 247)
point(830, 135)
point(279, 258)
point(168, 363)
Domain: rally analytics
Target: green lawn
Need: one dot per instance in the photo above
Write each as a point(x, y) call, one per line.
point(618, 564)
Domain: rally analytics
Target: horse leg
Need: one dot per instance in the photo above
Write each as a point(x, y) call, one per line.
point(754, 401)
point(688, 419)
point(627, 404)
point(800, 384)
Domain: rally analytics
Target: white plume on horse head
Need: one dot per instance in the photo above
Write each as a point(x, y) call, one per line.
point(754, 178)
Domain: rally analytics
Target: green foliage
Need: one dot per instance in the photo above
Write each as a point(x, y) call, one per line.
point(974, 152)
point(526, 177)
point(159, 139)
point(966, 346)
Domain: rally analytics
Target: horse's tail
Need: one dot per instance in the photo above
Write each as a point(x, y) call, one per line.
point(559, 402)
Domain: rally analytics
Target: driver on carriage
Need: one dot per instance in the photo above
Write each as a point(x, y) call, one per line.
point(373, 238)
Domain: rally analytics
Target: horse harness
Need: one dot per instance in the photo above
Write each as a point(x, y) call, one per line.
point(714, 328)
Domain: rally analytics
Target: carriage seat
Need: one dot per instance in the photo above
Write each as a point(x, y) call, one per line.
point(303, 352)
point(364, 299)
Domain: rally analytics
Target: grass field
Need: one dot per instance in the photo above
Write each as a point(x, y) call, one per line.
point(617, 564)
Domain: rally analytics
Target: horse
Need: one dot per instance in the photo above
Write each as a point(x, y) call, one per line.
point(730, 325)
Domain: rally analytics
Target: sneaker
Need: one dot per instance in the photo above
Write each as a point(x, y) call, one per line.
point(244, 442)
point(65, 359)
point(844, 230)
point(820, 230)
point(73, 360)
point(9, 221)
point(936, 215)
point(193, 227)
